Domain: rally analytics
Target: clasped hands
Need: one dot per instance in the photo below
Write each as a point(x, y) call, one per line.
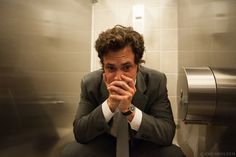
point(121, 93)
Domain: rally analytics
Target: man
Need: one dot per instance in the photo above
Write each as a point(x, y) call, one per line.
point(123, 86)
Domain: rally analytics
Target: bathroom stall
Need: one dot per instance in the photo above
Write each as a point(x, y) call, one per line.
point(44, 52)
point(46, 47)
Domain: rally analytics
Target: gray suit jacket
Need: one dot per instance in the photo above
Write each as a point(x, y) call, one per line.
point(151, 98)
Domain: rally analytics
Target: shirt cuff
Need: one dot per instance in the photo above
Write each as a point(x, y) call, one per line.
point(108, 114)
point(136, 121)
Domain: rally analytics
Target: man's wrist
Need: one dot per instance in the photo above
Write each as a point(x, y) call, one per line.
point(108, 114)
point(113, 109)
point(135, 119)
point(129, 111)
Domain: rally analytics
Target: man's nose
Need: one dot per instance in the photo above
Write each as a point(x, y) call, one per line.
point(118, 75)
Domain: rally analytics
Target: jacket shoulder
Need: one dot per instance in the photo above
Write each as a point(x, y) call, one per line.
point(151, 74)
point(93, 78)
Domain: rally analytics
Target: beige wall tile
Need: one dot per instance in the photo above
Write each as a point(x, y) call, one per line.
point(105, 18)
point(152, 60)
point(174, 106)
point(168, 39)
point(148, 3)
point(169, 62)
point(167, 3)
point(201, 41)
point(224, 41)
point(184, 14)
point(185, 39)
point(228, 61)
point(152, 18)
point(152, 40)
point(105, 4)
point(125, 16)
point(171, 84)
point(193, 58)
point(168, 17)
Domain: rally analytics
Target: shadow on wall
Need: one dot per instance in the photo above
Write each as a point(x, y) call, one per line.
point(226, 142)
point(23, 119)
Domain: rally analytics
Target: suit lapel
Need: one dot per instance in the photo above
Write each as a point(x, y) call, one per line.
point(139, 99)
point(104, 92)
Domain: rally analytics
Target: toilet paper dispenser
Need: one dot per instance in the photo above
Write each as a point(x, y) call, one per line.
point(208, 95)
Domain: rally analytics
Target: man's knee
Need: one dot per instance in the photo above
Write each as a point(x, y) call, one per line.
point(153, 150)
point(100, 146)
point(75, 149)
point(70, 150)
point(172, 150)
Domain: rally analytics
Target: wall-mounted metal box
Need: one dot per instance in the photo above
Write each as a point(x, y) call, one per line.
point(209, 95)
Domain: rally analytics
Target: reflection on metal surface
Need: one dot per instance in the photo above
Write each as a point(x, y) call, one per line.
point(200, 96)
point(42, 58)
point(226, 95)
point(209, 95)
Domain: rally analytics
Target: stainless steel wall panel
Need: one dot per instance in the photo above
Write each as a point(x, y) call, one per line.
point(199, 45)
point(44, 52)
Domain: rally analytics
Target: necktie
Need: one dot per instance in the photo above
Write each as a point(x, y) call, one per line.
point(122, 144)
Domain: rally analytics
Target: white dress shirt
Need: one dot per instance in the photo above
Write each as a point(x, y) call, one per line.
point(136, 121)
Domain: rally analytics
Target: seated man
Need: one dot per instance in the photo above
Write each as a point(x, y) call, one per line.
point(123, 86)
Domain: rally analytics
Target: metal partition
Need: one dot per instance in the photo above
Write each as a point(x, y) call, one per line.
point(44, 51)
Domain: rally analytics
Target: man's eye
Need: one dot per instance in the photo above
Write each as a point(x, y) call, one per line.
point(111, 68)
point(127, 67)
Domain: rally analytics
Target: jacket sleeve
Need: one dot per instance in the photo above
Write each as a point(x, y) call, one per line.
point(157, 124)
point(89, 120)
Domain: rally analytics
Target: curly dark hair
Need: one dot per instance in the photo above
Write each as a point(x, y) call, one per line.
point(117, 38)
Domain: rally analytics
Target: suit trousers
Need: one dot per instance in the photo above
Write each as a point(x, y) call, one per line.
point(105, 146)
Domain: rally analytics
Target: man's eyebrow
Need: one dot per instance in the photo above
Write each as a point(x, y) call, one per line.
point(126, 63)
point(109, 64)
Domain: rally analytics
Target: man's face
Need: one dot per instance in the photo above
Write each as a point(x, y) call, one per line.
point(119, 63)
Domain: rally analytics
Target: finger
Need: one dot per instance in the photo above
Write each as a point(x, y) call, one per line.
point(120, 97)
point(120, 84)
point(124, 86)
point(115, 90)
point(107, 84)
point(129, 81)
